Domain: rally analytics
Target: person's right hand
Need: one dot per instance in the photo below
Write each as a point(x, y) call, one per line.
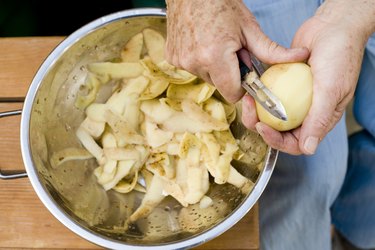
point(204, 38)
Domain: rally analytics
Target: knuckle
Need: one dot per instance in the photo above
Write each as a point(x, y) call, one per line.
point(188, 64)
point(206, 56)
point(323, 123)
point(274, 48)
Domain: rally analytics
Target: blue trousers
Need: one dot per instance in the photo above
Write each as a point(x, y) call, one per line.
point(307, 194)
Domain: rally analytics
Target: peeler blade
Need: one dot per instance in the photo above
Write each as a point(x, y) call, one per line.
point(253, 85)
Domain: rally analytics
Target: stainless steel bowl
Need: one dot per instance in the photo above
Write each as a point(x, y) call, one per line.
point(48, 124)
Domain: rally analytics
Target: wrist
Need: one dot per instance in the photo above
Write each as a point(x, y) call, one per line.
point(356, 15)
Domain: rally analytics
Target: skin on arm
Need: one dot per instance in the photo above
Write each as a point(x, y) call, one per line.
point(336, 37)
point(205, 37)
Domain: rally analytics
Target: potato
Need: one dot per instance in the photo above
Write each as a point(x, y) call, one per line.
point(292, 84)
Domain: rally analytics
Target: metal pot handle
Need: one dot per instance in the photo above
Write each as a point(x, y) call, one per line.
point(12, 175)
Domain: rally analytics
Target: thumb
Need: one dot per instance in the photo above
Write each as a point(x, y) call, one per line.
point(270, 52)
point(319, 121)
point(225, 75)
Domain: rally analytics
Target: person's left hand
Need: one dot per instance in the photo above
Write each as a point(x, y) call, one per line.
point(336, 54)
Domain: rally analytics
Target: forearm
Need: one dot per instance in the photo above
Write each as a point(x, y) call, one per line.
point(357, 15)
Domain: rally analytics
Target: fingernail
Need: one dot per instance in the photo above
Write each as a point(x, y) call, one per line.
point(311, 143)
point(258, 127)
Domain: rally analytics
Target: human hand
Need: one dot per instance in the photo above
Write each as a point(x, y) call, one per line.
point(205, 38)
point(336, 42)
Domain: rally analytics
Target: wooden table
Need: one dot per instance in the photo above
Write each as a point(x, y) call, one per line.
point(24, 221)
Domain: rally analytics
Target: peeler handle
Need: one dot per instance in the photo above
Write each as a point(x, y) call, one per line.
point(244, 70)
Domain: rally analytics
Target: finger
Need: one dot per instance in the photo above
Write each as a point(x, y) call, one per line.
point(320, 120)
point(225, 75)
point(244, 56)
point(205, 76)
point(170, 53)
point(284, 141)
point(249, 114)
point(271, 52)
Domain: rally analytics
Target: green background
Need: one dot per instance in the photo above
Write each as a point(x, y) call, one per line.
point(58, 18)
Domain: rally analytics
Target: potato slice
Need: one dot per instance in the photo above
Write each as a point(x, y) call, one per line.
point(205, 202)
point(132, 114)
point(156, 110)
point(94, 128)
point(193, 111)
point(155, 44)
point(153, 71)
point(177, 73)
point(230, 112)
point(197, 184)
point(69, 154)
point(175, 104)
point(124, 186)
point(124, 133)
point(180, 123)
point(216, 109)
point(143, 152)
point(110, 70)
point(223, 163)
point(122, 97)
point(154, 195)
point(161, 164)
point(133, 49)
point(123, 169)
point(155, 88)
point(189, 145)
point(171, 188)
point(212, 146)
point(109, 140)
point(109, 169)
point(183, 74)
point(92, 84)
point(147, 177)
point(196, 92)
point(96, 112)
point(120, 154)
point(171, 148)
point(89, 143)
point(155, 136)
point(240, 181)
point(224, 137)
point(136, 85)
point(138, 187)
point(106, 173)
point(192, 176)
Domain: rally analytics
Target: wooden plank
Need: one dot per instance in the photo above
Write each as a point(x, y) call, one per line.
point(244, 235)
point(19, 61)
point(24, 221)
point(10, 153)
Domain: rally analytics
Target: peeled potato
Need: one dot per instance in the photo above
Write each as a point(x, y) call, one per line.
point(292, 84)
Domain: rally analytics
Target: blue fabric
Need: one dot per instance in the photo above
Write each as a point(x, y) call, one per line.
point(307, 193)
point(364, 103)
point(354, 210)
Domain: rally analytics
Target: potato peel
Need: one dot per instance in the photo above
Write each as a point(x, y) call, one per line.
point(162, 131)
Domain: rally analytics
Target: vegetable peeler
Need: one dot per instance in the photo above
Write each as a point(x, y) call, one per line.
point(253, 85)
